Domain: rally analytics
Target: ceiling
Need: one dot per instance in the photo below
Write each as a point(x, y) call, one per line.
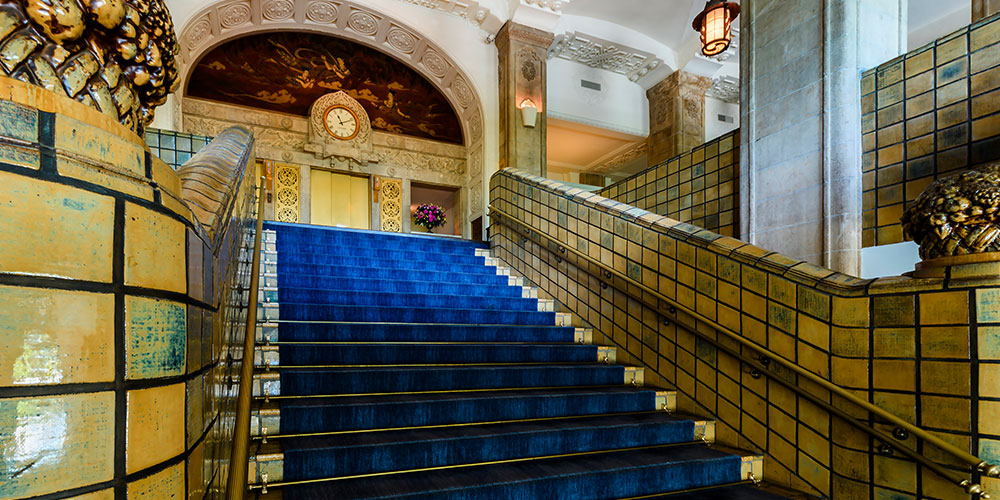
point(666, 21)
point(578, 147)
point(287, 72)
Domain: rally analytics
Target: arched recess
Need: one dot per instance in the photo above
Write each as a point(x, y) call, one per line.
point(228, 19)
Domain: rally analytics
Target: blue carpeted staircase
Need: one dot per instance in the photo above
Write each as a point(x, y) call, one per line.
point(414, 367)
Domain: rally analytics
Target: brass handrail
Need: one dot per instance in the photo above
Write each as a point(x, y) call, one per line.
point(990, 470)
point(236, 487)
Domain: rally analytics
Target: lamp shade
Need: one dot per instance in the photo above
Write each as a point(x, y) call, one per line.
point(529, 113)
point(715, 24)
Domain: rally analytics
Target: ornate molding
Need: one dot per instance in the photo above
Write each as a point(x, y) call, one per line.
point(623, 158)
point(227, 19)
point(553, 5)
point(726, 89)
point(604, 54)
point(476, 14)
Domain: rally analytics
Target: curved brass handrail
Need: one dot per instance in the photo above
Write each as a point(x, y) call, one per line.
point(990, 470)
point(236, 487)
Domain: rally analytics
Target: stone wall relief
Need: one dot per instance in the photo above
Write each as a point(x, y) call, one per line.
point(391, 205)
point(286, 193)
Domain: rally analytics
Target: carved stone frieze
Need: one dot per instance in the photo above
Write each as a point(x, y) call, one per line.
point(284, 138)
point(603, 54)
point(115, 56)
point(957, 215)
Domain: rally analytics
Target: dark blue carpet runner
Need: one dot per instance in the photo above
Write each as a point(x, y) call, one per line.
point(405, 367)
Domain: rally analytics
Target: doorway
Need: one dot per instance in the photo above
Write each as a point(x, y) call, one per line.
point(338, 199)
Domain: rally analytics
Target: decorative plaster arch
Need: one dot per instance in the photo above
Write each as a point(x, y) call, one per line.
point(228, 19)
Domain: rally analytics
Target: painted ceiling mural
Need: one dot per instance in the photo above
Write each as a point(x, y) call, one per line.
point(287, 72)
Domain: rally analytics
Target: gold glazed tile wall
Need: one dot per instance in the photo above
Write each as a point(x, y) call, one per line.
point(116, 306)
point(923, 349)
point(926, 114)
point(700, 187)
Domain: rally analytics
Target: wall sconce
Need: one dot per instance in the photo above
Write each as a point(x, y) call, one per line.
point(715, 25)
point(529, 113)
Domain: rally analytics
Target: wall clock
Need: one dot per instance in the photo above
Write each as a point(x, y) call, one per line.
point(341, 122)
point(340, 127)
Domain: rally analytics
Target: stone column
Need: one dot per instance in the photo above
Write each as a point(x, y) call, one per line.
point(676, 115)
point(800, 179)
point(522, 55)
point(982, 9)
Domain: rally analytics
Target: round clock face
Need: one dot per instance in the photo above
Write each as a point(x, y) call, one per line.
point(341, 122)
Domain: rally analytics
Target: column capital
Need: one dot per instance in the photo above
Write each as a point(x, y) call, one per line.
point(525, 34)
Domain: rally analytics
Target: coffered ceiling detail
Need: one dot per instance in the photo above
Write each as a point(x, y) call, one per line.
point(604, 54)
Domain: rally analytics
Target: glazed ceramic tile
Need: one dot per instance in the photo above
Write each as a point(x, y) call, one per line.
point(154, 250)
point(62, 231)
point(56, 443)
point(155, 426)
point(91, 142)
point(156, 332)
point(166, 484)
point(67, 338)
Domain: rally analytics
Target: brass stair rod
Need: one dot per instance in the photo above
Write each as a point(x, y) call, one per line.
point(236, 487)
point(990, 470)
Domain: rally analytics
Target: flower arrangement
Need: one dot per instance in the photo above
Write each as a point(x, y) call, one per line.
point(429, 216)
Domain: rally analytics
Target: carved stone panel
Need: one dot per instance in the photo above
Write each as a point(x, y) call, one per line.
point(391, 205)
point(286, 191)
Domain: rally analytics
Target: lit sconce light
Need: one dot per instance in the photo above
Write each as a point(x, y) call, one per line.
point(529, 112)
point(715, 24)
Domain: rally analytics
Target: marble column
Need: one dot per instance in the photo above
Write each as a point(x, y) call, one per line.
point(800, 179)
point(676, 115)
point(982, 9)
point(522, 55)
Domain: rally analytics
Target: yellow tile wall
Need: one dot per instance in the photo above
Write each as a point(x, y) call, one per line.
point(700, 187)
point(927, 114)
point(115, 307)
point(923, 349)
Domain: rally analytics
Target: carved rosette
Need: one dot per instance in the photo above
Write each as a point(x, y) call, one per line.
point(117, 56)
point(957, 215)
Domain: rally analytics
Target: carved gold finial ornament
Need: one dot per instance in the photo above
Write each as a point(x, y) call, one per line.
point(957, 215)
point(117, 56)
point(715, 23)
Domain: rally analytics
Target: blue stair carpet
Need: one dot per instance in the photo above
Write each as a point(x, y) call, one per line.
point(409, 369)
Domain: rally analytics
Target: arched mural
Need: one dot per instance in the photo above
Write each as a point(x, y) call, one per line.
point(287, 72)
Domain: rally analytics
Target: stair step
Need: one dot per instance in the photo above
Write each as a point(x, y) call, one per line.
point(381, 380)
point(315, 276)
point(402, 286)
point(352, 412)
point(314, 457)
point(288, 331)
point(287, 295)
point(613, 474)
point(737, 492)
point(360, 267)
point(416, 353)
point(340, 253)
point(399, 314)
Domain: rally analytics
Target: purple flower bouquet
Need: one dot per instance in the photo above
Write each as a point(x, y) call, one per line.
point(429, 216)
